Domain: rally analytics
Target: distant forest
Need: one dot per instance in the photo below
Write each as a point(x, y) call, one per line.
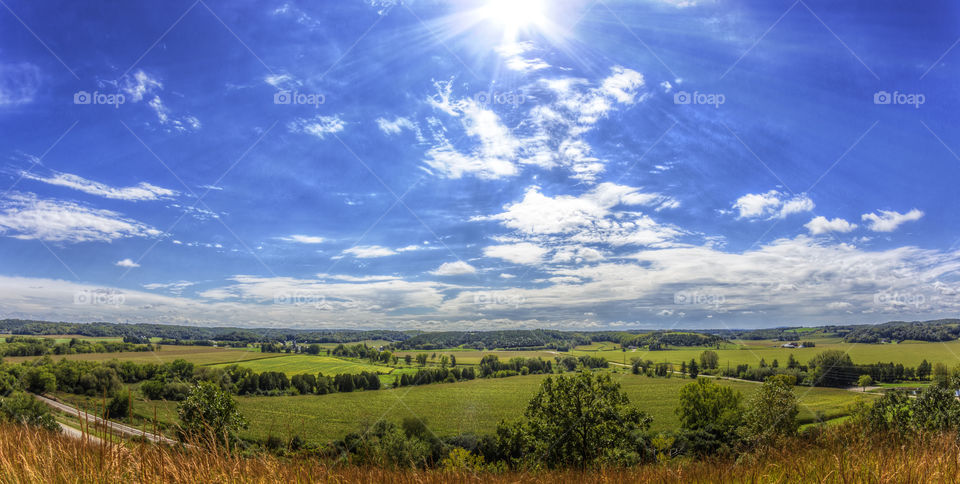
point(894, 331)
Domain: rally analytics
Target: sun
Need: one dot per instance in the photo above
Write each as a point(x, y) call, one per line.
point(514, 15)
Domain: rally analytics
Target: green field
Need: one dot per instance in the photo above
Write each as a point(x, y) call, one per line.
point(475, 406)
point(751, 352)
point(296, 364)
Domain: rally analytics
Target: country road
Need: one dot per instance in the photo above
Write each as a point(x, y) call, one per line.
point(76, 434)
point(114, 426)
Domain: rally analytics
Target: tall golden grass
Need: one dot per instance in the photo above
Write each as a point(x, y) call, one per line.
point(840, 455)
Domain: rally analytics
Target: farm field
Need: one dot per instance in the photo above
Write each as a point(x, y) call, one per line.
point(473, 357)
point(474, 406)
point(296, 364)
point(907, 353)
point(198, 355)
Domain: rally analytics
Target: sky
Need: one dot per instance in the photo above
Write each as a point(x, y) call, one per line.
point(488, 164)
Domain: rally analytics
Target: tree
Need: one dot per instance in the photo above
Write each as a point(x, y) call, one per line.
point(209, 411)
point(941, 374)
point(119, 406)
point(40, 380)
point(923, 371)
point(833, 368)
point(709, 414)
point(576, 420)
point(422, 359)
point(22, 408)
point(709, 360)
point(771, 412)
point(693, 368)
point(444, 361)
point(792, 362)
point(408, 360)
point(683, 367)
point(865, 381)
point(453, 361)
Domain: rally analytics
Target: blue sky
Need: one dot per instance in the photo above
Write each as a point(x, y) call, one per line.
point(479, 164)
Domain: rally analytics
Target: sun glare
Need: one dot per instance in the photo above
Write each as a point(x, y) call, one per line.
point(514, 15)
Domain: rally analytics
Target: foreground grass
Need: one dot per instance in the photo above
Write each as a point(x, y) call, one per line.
point(465, 407)
point(28, 455)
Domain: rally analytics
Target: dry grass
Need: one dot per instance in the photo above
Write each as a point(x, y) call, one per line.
point(28, 455)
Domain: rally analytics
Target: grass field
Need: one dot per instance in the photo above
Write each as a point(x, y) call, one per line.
point(473, 357)
point(475, 406)
point(751, 352)
point(198, 355)
point(840, 455)
point(296, 364)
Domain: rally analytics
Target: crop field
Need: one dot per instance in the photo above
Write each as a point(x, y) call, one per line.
point(907, 353)
point(475, 406)
point(472, 357)
point(198, 355)
point(296, 364)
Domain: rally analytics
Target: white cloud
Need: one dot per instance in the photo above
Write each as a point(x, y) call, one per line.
point(457, 268)
point(507, 276)
point(397, 125)
point(319, 126)
point(590, 218)
point(18, 83)
point(773, 204)
point(138, 86)
point(521, 253)
point(514, 59)
point(142, 86)
point(142, 191)
point(129, 263)
point(27, 217)
point(548, 133)
point(369, 251)
point(888, 220)
point(349, 278)
point(821, 225)
point(304, 239)
point(176, 288)
point(281, 81)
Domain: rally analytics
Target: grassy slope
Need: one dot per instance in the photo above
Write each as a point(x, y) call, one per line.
point(476, 406)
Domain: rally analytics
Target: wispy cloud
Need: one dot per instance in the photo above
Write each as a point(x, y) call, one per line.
point(140, 192)
point(24, 216)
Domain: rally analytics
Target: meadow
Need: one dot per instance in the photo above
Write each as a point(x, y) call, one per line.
point(475, 406)
point(296, 364)
point(908, 353)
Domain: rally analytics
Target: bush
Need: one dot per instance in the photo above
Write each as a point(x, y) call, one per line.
point(23, 408)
